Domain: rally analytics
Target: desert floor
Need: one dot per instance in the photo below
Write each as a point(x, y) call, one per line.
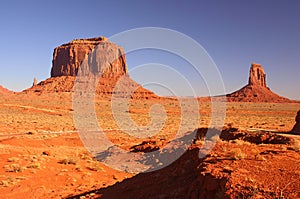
point(42, 155)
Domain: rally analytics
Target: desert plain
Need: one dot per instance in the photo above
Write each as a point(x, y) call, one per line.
point(42, 155)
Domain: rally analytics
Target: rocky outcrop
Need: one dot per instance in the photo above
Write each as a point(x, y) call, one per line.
point(4, 90)
point(296, 128)
point(229, 171)
point(34, 82)
point(91, 58)
point(256, 90)
point(257, 75)
point(105, 87)
point(185, 178)
point(110, 59)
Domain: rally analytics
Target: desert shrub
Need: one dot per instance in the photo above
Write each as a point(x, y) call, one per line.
point(215, 138)
point(13, 168)
point(257, 156)
point(34, 166)
point(198, 142)
point(94, 167)
point(237, 141)
point(68, 161)
point(236, 154)
point(7, 182)
point(295, 145)
point(13, 159)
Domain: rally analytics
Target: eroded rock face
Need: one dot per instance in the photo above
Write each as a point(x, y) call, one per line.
point(104, 56)
point(84, 61)
point(256, 90)
point(296, 129)
point(34, 82)
point(257, 75)
point(4, 90)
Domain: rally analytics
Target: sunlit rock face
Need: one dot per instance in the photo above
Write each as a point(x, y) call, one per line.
point(101, 56)
point(256, 90)
point(257, 75)
point(81, 60)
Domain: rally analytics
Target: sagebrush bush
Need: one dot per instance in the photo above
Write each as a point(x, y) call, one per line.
point(236, 154)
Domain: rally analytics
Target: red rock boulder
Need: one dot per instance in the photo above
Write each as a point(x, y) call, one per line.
point(296, 128)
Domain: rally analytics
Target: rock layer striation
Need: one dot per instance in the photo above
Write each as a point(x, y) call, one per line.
point(93, 59)
point(104, 56)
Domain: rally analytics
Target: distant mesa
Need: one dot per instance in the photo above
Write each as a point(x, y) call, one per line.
point(256, 90)
point(95, 57)
point(5, 90)
point(102, 58)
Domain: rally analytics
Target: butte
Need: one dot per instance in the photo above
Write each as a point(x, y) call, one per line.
point(256, 90)
point(94, 56)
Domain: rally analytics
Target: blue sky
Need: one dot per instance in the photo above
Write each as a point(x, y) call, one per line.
point(234, 33)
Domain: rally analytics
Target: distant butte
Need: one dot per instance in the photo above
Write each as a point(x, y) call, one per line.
point(256, 90)
point(99, 56)
point(93, 57)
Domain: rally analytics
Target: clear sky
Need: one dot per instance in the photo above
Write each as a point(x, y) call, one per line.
point(235, 33)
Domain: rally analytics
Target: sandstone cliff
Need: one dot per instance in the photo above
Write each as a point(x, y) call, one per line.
point(110, 58)
point(257, 76)
point(95, 57)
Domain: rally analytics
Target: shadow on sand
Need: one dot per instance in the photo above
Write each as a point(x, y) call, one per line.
point(182, 179)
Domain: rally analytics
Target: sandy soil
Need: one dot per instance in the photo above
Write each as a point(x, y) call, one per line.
point(42, 155)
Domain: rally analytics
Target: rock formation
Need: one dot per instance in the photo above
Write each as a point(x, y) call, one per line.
point(34, 82)
point(296, 128)
point(95, 57)
point(4, 90)
point(256, 90)
point(68, 57)
point(257, 75)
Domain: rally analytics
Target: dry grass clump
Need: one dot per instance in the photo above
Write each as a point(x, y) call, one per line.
point(257, 156)
point(13, 159)
point(295, 145)
point(14, 168)
point(235, 154)
point(198, 142)
point(215, 138)
point(8, 182)
point(94, 167)
point(36, 165)
point(68, 161)
point(85, 156)
point(240, 142)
